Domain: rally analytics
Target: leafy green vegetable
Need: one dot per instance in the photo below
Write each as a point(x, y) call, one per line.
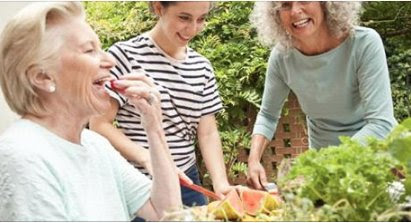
point(353, 177)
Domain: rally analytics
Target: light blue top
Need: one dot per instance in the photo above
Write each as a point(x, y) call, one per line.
point(345, 91)
point(46, 178)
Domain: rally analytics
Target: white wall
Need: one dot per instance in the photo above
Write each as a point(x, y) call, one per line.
point(7, 10)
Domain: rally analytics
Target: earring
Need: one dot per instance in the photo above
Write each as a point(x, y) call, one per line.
point(52, 88)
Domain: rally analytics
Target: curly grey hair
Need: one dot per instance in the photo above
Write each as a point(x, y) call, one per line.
point(341, 17)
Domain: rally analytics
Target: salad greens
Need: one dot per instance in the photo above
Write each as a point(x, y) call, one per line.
point(353, 178)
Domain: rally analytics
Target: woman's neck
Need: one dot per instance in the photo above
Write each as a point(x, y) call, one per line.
point(319, 44)
point(166, 45)
point(68, 127)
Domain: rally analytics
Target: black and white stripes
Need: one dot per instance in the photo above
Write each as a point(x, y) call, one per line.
point(188, 91)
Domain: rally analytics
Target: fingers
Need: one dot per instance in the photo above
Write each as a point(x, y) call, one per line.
point(138, 76)
point(256, 176)
point(136, 87)
point(223, 191)
point(263, 179)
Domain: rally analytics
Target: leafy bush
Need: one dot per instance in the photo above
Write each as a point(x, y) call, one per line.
point(352, 180)
point(392, 21)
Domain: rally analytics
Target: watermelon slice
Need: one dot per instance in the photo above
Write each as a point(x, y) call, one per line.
point(231, 208)
point(115, 88)
point(252, 200)
point(244, 202)
point(257, 201)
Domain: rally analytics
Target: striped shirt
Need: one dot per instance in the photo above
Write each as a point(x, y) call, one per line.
point(188, 91)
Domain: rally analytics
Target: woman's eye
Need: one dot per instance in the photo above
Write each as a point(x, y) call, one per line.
point(200, 20)
point(285, 6)
point(90, 51)
point(184, 18)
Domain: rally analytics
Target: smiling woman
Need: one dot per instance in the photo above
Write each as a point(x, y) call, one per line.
point(84, 68)
point(337, 70)
point(53, 169)
point(189, 96)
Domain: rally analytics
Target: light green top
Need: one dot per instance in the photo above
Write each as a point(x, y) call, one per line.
point(46, 178)
point(345, 91)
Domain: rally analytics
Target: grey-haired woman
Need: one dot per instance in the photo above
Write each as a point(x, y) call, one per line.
point(337, 70)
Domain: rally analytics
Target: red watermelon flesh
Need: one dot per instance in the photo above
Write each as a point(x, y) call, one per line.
point(253, 200)
point(235, 201)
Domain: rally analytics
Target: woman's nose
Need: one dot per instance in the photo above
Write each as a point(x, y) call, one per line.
point(296, 7)
point(108, 60)
point(192, 28)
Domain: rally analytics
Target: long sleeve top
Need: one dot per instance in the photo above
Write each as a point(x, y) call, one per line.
point(344, 91)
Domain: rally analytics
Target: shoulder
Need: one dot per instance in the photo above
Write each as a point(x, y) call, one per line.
point(21, 138)
point(138, 42)
point(194, 56)
point(278, 53)
point(366, 35)
point(367, 44)
point(24, 149)
point(95, 140)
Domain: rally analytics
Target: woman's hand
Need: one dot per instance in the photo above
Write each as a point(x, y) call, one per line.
point(141, 92)
point(256, 176)
point(222, 189)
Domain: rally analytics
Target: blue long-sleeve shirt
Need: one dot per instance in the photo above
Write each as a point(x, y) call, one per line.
point(345, 91)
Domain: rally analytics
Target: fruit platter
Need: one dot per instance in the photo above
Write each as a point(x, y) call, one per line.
point(348, 182)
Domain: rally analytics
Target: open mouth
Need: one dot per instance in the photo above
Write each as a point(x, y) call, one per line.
point(301, 23)
point(183, 38)
point(101, 81)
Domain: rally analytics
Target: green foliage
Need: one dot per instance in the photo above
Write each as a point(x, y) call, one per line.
point(352, 178)
point(115, 21)
point(398, 144)
point(400, 74)
point(349, 172)
point(391, 19)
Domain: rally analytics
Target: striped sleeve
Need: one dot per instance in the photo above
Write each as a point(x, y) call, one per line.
point(211, 98)
point(122, 67)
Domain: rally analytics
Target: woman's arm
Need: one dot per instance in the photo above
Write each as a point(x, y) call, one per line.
point(212, 153)
point(165, 193)
point(275, 93)
point(103, 124)
point(375, 90)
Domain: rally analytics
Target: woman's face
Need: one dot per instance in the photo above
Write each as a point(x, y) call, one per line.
point(182, 21)
point(83, 69)
point(302, 20)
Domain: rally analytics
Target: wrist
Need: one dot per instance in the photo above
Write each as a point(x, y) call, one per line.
point(253, 160)
point(220, 184)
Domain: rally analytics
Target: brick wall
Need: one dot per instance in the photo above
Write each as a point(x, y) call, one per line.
point(290, 140)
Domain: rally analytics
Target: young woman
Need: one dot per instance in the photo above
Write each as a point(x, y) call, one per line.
point(189, 96)
point(337, 70)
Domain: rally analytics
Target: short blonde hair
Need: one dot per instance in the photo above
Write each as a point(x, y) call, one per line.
point(28, 41)
point(341, 17)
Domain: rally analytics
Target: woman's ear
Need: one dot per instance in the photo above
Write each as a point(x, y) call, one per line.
point(40, 79)
point(157, 8)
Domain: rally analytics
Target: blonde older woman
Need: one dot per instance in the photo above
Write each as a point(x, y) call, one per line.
point(53, 169)
point(337, 70)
